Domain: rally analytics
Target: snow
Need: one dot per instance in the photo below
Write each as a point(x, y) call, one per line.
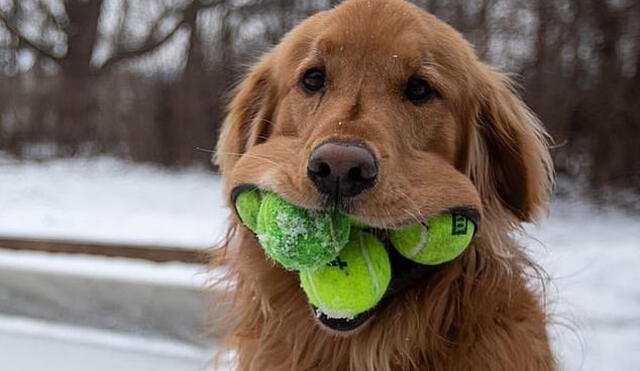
point(109, 200)
point(591, 253)
point(29, 344)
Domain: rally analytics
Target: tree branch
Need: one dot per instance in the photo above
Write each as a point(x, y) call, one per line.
point(148, 47)
point(150, 44)
point(44, 8)
point(42, 49)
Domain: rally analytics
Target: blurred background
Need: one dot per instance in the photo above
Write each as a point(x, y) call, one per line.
point(109, 110)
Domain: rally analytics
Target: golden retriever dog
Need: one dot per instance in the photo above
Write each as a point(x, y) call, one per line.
point(381, 111)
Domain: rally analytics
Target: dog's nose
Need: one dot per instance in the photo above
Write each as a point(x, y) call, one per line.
point(342, 169)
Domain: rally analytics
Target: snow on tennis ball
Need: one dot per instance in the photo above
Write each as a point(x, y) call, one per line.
point(295, 237)
point(441, 239)
point(354, 282)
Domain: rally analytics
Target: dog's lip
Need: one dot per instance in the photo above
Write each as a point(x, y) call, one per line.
point(344, 325)
point(385, 224)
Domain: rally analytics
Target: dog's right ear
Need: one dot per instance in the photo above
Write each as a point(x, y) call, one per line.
point(249, 115)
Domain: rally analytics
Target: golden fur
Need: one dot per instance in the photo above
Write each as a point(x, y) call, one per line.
point(475, 144)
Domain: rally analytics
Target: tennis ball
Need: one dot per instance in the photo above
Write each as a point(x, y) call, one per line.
point(299, 238)
point(247, 205)
point(354, 282)
point(441, 239)
point(355, 222)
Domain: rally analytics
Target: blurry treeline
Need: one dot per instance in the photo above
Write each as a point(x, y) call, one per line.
point(147, 79)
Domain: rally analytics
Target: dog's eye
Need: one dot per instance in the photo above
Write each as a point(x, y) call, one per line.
point(313, 80)
point(418, 90)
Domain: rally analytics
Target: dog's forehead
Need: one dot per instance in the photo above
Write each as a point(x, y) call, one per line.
point(380, 31)
point(374, 31)
point(362, 44)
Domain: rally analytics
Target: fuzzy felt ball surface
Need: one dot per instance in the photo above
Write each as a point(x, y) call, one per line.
point(247, 206)
point(439, 240)
point(352, 283)
point(298, 238)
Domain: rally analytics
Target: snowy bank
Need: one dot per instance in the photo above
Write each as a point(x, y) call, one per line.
point(110, 200)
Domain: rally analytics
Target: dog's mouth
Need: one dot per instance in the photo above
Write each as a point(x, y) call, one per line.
point(405, 275)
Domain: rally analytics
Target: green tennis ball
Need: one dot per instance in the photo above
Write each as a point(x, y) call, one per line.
point(299, 238)
point(354, 282)
point(247, 206)
point(355, 222)
point(441, 239)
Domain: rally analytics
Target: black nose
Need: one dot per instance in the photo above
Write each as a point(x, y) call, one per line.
point(341, 169)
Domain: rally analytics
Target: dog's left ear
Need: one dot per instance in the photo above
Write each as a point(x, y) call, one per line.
point(249, 115)
point(510, 162)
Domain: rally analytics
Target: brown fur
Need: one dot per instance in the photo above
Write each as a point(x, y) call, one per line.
point(476, 145)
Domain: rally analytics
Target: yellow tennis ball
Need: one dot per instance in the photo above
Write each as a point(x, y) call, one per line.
point(354, 282)
point(247, 204)
point(441, 239)
point(357, 223)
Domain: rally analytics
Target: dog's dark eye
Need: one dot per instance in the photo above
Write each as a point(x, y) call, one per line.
point(418, 90)
point(313, 80)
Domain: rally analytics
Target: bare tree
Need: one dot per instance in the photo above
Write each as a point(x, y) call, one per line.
point(147, 79)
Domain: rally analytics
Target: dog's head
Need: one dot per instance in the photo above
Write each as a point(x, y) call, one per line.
point(383, 111)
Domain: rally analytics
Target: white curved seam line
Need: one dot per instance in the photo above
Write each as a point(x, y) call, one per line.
point(422, 242)
point(372, 273)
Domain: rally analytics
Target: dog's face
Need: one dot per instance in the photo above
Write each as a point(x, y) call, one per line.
point(382, 111)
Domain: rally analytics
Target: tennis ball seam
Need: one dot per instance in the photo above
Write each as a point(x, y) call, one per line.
point(370, 269)
point(422, 243)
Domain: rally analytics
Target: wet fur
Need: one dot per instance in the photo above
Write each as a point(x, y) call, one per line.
point(486, 150)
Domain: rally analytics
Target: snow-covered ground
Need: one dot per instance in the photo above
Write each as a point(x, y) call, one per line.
point(591, 253)
point(593, 257)
point(172, 274)
point(33, 345)
point(109, 200)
